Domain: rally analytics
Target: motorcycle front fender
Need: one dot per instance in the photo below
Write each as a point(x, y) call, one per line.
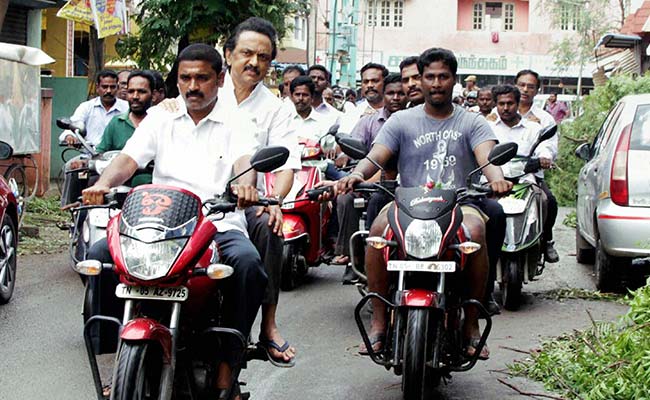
point(145, 329)
point(419, 298)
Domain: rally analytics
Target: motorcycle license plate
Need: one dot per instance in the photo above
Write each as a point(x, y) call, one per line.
point(422, 266)
point(178, 293)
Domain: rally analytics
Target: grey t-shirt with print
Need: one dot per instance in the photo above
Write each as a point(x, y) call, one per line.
point(432, 150)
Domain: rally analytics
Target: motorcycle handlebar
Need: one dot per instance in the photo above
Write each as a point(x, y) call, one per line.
point(314, 194)
point(221, 206)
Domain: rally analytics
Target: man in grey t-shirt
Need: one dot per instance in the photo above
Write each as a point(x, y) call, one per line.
point(437, 142)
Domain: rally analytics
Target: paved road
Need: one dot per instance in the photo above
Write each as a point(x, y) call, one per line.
point(43, 356)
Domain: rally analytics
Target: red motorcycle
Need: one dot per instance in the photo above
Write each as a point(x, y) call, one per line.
point(164, 254)
point(305, 220)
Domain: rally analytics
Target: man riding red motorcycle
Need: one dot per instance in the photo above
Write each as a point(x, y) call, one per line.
point(437, 145)
point(197, 149)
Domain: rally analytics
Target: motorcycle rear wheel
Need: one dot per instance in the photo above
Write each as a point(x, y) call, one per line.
point(138, 372)
point(418, 379)
point(511, 286)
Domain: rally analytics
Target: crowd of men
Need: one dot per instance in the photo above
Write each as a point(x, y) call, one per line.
point(224, 112)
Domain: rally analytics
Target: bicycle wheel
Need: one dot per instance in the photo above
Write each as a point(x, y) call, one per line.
point(17, 172)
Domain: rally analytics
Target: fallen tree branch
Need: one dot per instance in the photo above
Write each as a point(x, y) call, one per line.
point(529, 394)
point(515, 350)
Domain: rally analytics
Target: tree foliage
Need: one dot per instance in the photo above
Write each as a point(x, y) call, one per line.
point(167, 25)
point(585, 22)
point(563, 181)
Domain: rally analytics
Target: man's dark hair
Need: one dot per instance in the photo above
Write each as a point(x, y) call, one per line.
point(281, 88)
point(528, 72)
point(437, 54)
point(505, 89)
point(486, 89)
point(408, 61)
point(202, 52)
point(371, 65)
point(253, 24)
point(318, 67)
point(392, 78)
point(350, 92)
point(302, 81)
point(143, 74)
point(296, 68)
point(158, 80)
point(106, 73)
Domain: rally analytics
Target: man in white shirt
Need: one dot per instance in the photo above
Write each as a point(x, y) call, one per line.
point(372, 90)
point(307, 122)
point(249, 52)
point(528, 83)
point(197, 148)
point(98, 112)
point(321, 77)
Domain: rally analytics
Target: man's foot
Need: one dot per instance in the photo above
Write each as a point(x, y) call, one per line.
point(349, 276)
point(470, 349)
point(280, 353)
point(550, 254)
point(340, 260)
point(376, 341)
point(492, 306)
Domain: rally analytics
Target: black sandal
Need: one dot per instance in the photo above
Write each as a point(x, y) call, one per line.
point(381, 338)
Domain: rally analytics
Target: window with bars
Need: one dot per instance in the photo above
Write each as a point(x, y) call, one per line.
point(568, 17)
point(508, 17)
point(385, 13)
point(299, 25)
point(477, 16)
point(371, 13)
point(398, 11)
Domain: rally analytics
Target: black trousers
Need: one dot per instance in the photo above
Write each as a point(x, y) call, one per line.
point(242, 292)
point(269, 245)
point(376, 202)
point(551, 210)
point(495, 233)
point(348, 219)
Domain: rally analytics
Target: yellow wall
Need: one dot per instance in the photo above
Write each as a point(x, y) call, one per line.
point(54, 41)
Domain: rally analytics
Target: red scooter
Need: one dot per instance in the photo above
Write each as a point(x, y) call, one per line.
point(164, 254)
point(305, 219)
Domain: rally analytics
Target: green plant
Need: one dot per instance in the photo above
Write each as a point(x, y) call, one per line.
point(563, 180)
point(609, 361)
point(571, 219)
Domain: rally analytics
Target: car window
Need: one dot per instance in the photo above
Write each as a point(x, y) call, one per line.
point(640, 139)
point(605, 130)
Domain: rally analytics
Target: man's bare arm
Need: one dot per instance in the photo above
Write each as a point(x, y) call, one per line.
point(283, 182)
point(118, 171)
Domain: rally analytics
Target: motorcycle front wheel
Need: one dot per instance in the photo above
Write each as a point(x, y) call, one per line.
point(419, 379)
point(138, 372)
point(511, 286)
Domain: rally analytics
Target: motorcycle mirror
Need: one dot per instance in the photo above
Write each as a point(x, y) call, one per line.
point(502, 153)
point(269, 158)
point(352, 147)
point(66, 123)
point(545, 134)
point(333, 130)
point(6, 151)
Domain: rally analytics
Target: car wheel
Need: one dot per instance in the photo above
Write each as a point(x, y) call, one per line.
point(8, 243)
point(608, 269)
point(585, 254)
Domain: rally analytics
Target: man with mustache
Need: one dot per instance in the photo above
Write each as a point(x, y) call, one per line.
point(367, 129)
point(411, 81)
point(198, 148)
point(528, 83)
point(122, 78)
point(485, 102)
point(372, 89)
point(249, 52)
point(321, 77)
point(98, 112)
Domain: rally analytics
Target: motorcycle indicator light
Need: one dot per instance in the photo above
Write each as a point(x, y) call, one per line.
point(88, 267)
point(219, 271)
point(308, 152)
point(469, 247)
point(377, 242)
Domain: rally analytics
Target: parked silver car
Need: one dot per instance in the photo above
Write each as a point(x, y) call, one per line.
point(613, 204)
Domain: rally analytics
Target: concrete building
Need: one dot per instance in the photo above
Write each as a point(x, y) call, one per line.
point(491, 39)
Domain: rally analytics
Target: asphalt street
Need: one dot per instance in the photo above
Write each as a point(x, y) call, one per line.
point(43, 356)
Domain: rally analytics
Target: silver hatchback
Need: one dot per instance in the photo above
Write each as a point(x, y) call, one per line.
point(613, 203)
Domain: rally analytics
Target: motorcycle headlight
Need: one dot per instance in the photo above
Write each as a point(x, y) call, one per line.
point(149, 261)
point(422, 239)
point(309, 152)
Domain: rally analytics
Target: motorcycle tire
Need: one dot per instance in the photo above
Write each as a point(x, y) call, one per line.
point(138, 372)
point(511, 287)
point(289, 272)
point(8, 257)
point(418, 379)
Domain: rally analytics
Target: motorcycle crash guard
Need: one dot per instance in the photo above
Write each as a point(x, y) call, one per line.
point(140, 329)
